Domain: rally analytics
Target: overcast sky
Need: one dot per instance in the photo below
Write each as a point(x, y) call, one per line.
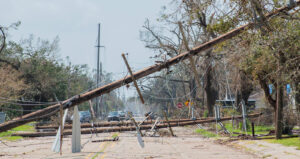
point(75, 22)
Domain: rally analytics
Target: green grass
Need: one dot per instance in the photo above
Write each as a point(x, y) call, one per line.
point(7, 134)
point(295, 142)
point(12, 138)
point(115, 135)
point(27, 127)
point(205, 133)
point(258, 129)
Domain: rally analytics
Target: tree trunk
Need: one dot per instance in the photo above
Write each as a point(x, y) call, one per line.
point(279, 97)
point(193, 89)
point(297, 101)
point(237, 98)
point(279, 112)
point(208, 90)
point(297, 96)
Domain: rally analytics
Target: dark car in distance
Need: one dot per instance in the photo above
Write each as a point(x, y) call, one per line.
point(84, 116)
point(122, 115)
point(113, 116)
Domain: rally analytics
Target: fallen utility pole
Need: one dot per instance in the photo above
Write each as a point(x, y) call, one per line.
point(132, 128)
point(111, 124)
point(51, 110)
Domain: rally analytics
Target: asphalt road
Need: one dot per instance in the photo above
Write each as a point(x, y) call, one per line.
point(187, 145)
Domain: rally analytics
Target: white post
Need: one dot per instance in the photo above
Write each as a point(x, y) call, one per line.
point(244, 113)
point(76, 132)
point(56, 143)
point(217, 116)
point(192, 112)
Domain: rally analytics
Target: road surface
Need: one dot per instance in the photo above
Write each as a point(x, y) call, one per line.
point(187, 145)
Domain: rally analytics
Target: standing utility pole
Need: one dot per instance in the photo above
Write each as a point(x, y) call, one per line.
point(99, 70)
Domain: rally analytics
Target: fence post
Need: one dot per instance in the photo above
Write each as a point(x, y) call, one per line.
point(244, 114)
point(253, 131)
point(217, 116)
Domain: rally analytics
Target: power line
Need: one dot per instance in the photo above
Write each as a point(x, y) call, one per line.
point(24, 104)
point(19, 110)
point(155, 97)
point(27, 101)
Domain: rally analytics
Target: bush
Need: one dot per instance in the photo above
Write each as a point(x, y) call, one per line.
point(267, 118)
point(228, 112)
point(248, 125)
point(205, 113)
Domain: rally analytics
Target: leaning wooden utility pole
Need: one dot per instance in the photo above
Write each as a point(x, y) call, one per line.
point(133, 79)
point(51, 110)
